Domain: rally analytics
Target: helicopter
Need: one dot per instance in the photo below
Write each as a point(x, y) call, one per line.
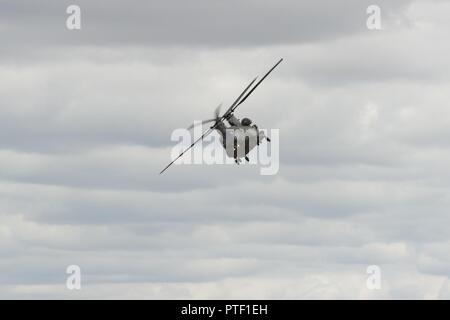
point(239, 137)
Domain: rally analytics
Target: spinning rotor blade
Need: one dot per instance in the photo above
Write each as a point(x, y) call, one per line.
point(237, 100)
point(201, 123)
point(201, 138)
point(256, 85)
point(216, 113)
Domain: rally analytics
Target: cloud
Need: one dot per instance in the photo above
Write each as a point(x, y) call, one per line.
point(199, 22)
point(85, 125)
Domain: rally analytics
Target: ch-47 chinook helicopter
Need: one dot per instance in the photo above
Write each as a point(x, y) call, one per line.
point(242, 133)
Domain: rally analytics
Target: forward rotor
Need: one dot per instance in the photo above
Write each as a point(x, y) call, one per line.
point(215, 119)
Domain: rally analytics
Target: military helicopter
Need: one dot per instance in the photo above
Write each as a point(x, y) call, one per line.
point(241, 135)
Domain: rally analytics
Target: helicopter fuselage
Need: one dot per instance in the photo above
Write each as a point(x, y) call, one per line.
point(238, 139)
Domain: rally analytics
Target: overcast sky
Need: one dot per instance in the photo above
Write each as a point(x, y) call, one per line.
point(86, 118)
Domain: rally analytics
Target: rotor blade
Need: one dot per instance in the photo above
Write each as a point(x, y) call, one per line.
point(237, 100)
point(217, 111)
point(201, 138)
point(256, 85)
point(201, 123)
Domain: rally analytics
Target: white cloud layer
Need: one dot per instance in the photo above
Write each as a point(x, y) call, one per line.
point(85, 124)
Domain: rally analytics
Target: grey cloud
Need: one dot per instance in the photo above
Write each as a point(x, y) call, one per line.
point(200, 22)
point(85, 128)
